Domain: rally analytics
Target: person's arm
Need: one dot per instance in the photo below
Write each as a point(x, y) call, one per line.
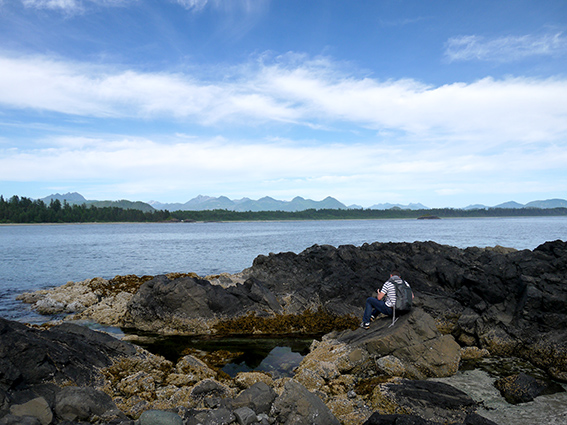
point(381, 295)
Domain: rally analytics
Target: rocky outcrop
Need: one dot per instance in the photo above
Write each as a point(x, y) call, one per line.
point(498, 299)
point(469, 302)
point(502, 300)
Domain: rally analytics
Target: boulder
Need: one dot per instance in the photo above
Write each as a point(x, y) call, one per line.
point(85, 404)
point(259, 397)
point(413, 346)
point(296, 405)
point(190, 305)
point(38, 408)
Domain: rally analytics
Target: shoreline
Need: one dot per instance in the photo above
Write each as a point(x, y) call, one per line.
point(291, 220)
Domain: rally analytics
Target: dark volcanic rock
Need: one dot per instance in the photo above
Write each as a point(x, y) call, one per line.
point(35, 364)
point(85, 403)
point(62, 354)
point(193, 305)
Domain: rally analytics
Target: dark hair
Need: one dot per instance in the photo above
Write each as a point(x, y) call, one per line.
point(396, 273)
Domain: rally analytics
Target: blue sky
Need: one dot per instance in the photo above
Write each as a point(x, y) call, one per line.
point(447, 103)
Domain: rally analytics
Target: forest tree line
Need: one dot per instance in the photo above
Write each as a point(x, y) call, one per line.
point(24, 210)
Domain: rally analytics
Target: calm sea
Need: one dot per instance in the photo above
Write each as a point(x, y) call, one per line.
point(41, 256)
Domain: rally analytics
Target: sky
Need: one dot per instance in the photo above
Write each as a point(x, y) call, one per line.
point(445, 103)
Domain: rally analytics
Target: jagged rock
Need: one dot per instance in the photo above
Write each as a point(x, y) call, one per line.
point(61, 354)
point(245, 416)
point(498, 299)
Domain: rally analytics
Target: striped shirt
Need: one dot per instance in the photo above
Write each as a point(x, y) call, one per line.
point(390, 291)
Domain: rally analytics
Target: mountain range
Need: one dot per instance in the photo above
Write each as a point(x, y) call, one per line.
point(267, 203)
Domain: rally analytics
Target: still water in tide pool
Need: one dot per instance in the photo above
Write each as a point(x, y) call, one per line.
point(278, 356)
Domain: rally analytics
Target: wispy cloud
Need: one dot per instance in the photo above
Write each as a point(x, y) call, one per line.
point(505, 49)
point(72, 7)
point(192, 4)
point(309, 92)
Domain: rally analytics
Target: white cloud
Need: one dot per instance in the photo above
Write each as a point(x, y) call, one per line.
point(311, 93)
point(505, 49)
point(155, 169)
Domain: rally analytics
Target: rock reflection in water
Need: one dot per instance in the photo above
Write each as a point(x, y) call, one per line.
point(279, 362)
point(278, 356)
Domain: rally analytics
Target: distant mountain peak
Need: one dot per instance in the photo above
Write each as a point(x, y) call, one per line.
point(70, 197)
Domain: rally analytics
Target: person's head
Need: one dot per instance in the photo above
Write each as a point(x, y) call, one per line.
point(395, 273)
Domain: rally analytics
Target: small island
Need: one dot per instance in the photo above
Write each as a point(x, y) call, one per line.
point(428, 217)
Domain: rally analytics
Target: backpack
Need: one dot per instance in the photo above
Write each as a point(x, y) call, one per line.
point(404, 297)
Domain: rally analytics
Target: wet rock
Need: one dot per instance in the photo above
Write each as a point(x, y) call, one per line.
point(192, 305)
point(259, 397)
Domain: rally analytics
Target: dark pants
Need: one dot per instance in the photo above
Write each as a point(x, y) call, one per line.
point(375, 306)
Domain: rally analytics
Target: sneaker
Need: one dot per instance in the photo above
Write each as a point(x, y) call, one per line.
point(365, 325)
point(372, 318)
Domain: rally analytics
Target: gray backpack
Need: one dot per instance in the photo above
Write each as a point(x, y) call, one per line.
point(403, 294)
